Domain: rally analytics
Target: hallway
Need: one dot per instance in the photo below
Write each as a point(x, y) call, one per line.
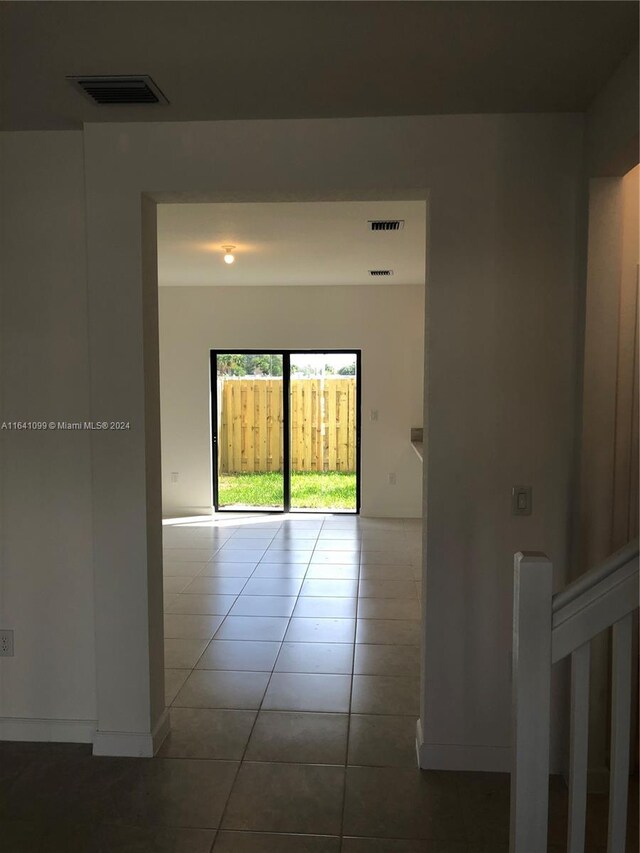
point(292, 645)
point(292, 653)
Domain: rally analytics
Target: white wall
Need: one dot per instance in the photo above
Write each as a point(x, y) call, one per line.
point(503, 249)
point(609, 468)
point(504, 194)
point(385, 322)
point(46, 569)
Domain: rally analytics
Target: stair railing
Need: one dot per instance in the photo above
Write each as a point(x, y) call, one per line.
point(546, 629)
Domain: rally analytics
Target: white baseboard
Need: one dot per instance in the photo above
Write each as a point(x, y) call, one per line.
point(461, 757)
point(47, 731)
point(187, 513)
point(132, 744)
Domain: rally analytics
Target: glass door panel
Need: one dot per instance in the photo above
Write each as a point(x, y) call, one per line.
point(323, 413)
point(249, 432)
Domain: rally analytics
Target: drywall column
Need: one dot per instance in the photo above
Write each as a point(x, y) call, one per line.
point(126, 462)
point(47, 689)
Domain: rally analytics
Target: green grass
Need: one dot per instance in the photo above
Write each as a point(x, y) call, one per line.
point(309, 490)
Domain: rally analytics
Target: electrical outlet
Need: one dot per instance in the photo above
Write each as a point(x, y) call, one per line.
point(373, 415)
point(392, 478)
point(174, 476)
point(6, 644)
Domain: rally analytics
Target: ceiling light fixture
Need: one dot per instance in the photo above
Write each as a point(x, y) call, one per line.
point(229, 258)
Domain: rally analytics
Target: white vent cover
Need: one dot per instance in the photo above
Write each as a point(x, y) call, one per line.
point(386, 224)
point(120, 90)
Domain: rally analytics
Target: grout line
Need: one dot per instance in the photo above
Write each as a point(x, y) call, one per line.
point(246, 746)
point(358, 532)
point(297, 597)
point(353, 663)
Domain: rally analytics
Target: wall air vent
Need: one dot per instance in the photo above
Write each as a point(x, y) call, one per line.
point(377, 273)
point(386, 224)
point(121, 90)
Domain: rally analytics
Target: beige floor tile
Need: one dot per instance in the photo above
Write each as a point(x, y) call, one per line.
point(321, 588)
point(384, 802)
point(188, 555)
point(333, 571)
point(273, 586)
point(214, 586)
point(286, 798)
point(332, 658)
point(182, 653)
point(381, 741)
point(267, 628)
point(387, 589)
point(217, 689)
point(324, 607)
point(207, 733)
point(175, 792)
point(228, 570)
point(259, 842)
point(306, 738)
point(385, 694)
point(175, 583)
point(174, 568)
point(295, 691)
point(396, 845)
point(387, 660)
point(263, 605)
point(303, 630)
point(190, 627)
point(201, 604)
point(388, 632)
point(239, 655)
point(388, 608)
point(173, 681)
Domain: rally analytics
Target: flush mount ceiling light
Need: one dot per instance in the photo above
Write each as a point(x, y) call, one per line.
point(229, 258)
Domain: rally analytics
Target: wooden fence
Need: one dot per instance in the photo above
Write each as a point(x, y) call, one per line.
point(250, 424)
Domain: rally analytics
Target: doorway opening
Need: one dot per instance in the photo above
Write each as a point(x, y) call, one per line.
point(285, 429)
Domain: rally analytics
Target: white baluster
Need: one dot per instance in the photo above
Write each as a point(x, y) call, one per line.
point(580, 663)
point(620, 734)
point(531, 703)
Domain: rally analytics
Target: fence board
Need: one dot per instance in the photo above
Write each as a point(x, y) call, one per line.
point(323, 424)
point(275, 414)
point(351, 426)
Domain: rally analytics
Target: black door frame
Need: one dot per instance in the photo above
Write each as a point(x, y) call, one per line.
point(286, 438)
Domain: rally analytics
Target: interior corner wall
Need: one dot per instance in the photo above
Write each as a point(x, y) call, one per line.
point(384, 321)
point(609, 469)
point(612, 122)
point(47, 689)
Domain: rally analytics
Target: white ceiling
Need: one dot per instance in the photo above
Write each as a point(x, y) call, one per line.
point(233, 60)
point(294, 243)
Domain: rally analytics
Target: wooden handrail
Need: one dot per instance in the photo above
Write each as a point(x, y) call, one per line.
point(595, 575)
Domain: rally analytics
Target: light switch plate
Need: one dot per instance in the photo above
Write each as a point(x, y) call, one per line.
point(521, 500)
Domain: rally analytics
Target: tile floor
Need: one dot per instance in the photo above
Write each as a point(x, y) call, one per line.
point(292, 655)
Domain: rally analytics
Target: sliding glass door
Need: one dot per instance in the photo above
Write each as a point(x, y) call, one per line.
point(323, 407)
point(248, 430)
point(285, 430)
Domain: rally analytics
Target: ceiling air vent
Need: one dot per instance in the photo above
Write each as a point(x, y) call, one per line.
point(130, 89)
point(376, 273)
point(386, 224)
